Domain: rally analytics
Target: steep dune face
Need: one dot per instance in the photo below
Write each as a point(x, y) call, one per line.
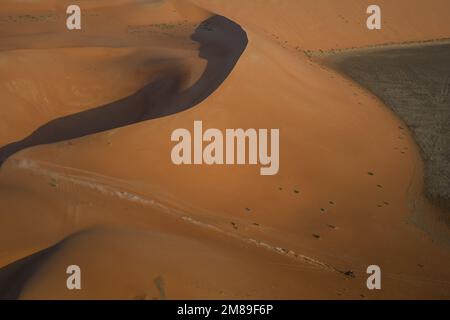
point(141, 227)
point(414, 82)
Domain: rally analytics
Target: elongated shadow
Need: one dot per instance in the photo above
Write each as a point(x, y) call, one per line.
point(221, 43)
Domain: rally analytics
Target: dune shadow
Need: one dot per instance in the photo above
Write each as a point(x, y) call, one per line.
point(221, 43)
point(14, 276)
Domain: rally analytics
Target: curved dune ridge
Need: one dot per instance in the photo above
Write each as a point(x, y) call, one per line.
point(86, 176)
point(220, 41)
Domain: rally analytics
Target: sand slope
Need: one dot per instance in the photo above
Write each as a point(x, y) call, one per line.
point(333, 25)
point(141, 227)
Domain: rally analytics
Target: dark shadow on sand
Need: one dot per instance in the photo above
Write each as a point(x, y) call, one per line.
point(221, 41)
point(14, 276)
point(415, 83)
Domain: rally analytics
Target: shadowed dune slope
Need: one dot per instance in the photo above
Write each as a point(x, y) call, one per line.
point(140, 227)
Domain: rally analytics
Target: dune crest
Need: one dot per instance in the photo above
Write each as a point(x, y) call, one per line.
point(87, 178)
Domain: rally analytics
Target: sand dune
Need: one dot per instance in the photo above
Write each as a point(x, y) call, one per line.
point(87, 177)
